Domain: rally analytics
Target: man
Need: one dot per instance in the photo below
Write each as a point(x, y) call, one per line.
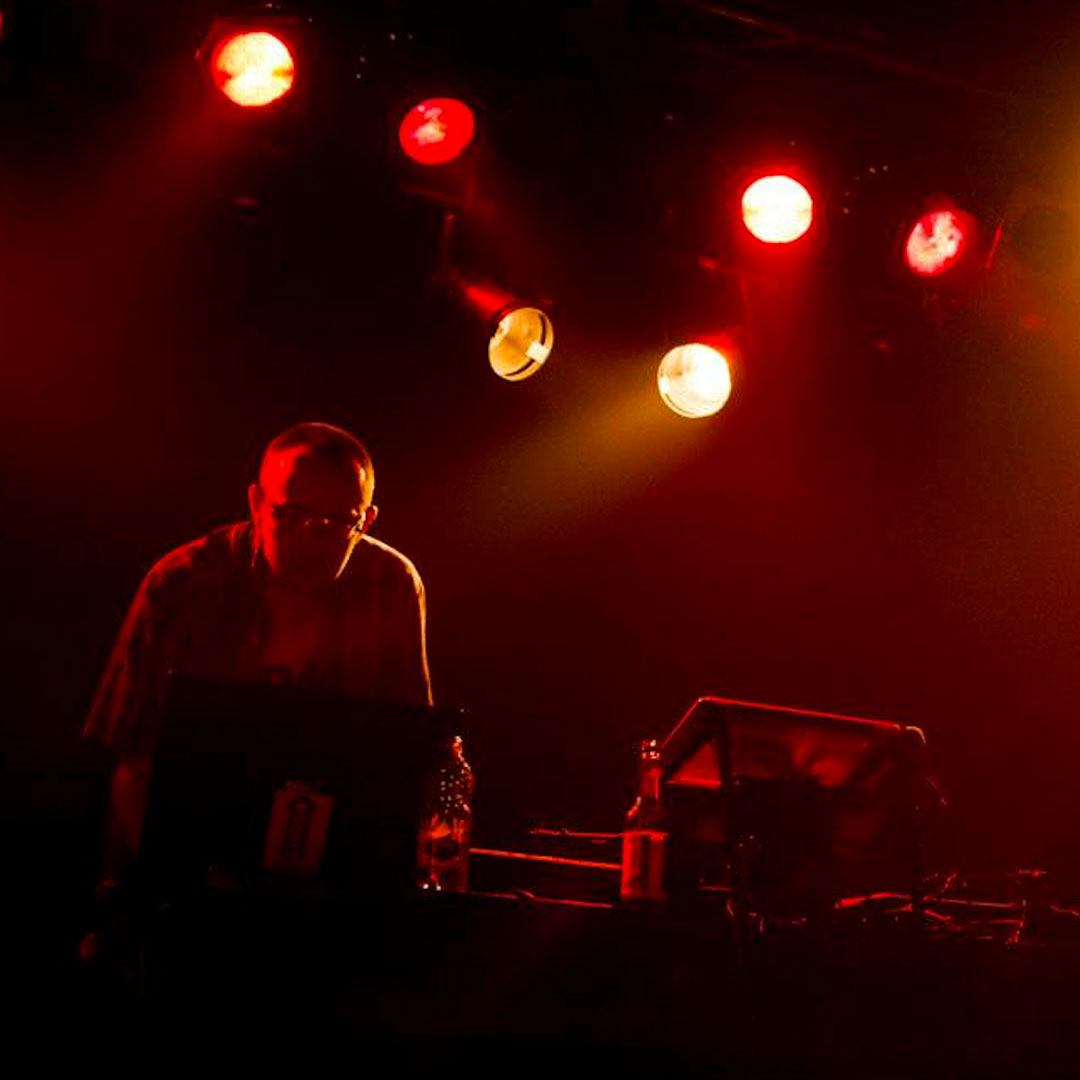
point(298, 594)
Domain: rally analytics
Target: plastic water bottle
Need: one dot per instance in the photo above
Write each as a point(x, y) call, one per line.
point(446, 824)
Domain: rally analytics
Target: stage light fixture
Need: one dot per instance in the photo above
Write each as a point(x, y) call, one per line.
point(253, 68)
point(694, 380)
point(520, 343)
point(937, 242)
point(520, 334)
point(777, 209)
point(437, 131)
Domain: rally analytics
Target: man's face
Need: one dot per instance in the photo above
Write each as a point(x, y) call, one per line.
point(308, 515)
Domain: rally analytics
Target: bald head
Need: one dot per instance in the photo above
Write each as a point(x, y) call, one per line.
point(312, 502)
point(332, 446)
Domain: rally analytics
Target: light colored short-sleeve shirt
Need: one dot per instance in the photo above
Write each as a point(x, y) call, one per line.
point(206, 609)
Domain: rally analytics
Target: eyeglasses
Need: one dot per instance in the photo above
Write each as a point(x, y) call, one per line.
point(294, 516)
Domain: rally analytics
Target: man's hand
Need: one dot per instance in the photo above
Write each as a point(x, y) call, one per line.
point(111, 947)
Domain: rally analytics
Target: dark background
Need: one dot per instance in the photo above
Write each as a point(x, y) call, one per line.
point(883, 521)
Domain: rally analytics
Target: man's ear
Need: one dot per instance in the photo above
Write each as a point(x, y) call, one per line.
point(370, 514)
point(255, 499)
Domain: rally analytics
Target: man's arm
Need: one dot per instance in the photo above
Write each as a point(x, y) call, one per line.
point(123, 823)
point(420, 675)
point(404, 674)
point(123, 719)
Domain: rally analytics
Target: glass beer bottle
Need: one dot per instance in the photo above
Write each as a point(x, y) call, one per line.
point(644, 840)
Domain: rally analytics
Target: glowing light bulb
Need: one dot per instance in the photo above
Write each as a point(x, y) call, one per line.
point(253, 68)
point(777, 209)
point(694, 380)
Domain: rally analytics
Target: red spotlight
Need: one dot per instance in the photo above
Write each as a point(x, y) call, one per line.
point(253, 68)
point(437, 130)
point(936, 242)
point(777, 209)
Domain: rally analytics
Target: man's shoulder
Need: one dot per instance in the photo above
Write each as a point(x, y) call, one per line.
point(379, 559)
point(214, 557)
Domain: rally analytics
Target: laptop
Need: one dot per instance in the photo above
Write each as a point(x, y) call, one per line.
point(256, 784)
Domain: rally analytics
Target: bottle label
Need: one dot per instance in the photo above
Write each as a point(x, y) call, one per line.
point(444, 853)
point(643, 853)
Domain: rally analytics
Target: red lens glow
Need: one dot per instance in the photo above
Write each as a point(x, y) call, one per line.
point(437, 131)
point(935, 243)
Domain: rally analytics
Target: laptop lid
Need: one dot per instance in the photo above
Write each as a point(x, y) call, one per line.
point(258, 779)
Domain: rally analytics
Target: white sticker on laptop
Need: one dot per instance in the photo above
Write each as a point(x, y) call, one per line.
point(296, 835)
